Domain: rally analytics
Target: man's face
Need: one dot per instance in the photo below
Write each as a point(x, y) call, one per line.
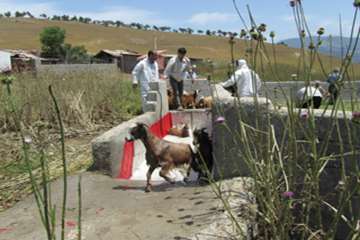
point(181, 56)
point(153, 58)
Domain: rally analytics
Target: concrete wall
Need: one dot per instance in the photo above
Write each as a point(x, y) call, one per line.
point(79, 68)
point(229, 153)
point(108, 148)
point(276, 90)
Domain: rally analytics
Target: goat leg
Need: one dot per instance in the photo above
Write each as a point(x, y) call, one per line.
point(164, 173)
point(148, 178)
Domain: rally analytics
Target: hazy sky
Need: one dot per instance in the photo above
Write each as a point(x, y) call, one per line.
point(198, 14)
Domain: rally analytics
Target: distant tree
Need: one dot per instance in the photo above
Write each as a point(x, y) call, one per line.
point(29, 14)
point(81, 19)
point(200, 31)
point(190, 31)
point(74, 19)
point(182, 30)
point(7, 14)
point(120, 24)
point(65, 18)
point(43, 15)
point(56, 18)
point(1, 15)
point(52, 40)
point(175, 30)
point(18, 14)
point(208, 32)
point(87, 20)
point(155, 28)
point(147, 27)
point(76, 54)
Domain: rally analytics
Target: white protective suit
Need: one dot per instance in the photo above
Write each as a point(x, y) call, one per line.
point(305, 94)
point(144, 73)
point(248, 83)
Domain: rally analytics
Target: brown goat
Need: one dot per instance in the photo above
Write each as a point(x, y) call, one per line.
point(205, 102)
point(161, 153)
point(188, 100)
point(180, 132)
point(171, 99)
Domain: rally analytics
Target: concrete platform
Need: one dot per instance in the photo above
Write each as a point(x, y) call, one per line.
point(119, 210)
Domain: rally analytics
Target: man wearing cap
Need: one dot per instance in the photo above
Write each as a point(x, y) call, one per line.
point(177, 70)
point(247, 82)
point(146, 71)
point(333, 88)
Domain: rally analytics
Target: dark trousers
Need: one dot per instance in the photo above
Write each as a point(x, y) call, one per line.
point(334, 92)
point(178, 89)
point(316, 102)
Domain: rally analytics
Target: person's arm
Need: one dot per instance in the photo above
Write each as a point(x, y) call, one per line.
point(157, 76)
point(136, 73)
point(230, 82)
point(169, 67)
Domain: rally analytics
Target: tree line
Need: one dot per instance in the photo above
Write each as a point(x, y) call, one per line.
point(111, 23)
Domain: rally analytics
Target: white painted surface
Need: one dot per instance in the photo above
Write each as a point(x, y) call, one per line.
point(5, 61)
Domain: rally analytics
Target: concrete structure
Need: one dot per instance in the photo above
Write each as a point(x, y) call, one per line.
point(62, 69)
point(234, 156)
point(276, 90)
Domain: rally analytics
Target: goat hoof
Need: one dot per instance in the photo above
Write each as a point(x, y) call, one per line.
point(148, 189)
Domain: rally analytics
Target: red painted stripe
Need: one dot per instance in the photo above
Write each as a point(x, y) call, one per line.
point(127, 161)
point(159, 129)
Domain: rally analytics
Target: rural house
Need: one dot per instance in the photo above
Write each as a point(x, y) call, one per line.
point(20, 60)
point(125, 59)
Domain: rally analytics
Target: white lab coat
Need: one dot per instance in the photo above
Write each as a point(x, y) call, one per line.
point(144, 73)
point(248, 83)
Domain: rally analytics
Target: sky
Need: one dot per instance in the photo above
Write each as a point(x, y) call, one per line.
point(197, 14)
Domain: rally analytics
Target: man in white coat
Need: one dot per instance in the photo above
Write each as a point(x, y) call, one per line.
point(247, 82)
point(146, 71)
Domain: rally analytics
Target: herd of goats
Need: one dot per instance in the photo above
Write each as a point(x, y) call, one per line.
point(189, 100)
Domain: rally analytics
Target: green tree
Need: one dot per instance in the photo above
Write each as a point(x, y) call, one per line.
point(52, 40)
point(7, 14)
point(76, 54)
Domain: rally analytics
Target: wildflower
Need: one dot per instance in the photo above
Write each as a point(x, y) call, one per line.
point(311, 46)
point(321, 31)
point(8, 80)
point(272, 34)
point(243, 33)
point(70, 223)
point(304, 115)
point(254, 34)
point(28, 140)
point(220, 120)
point(357, 3)
point(320, 43)
point(303, 33)
point(356, 116)
point(288, 194)
point(262, 27)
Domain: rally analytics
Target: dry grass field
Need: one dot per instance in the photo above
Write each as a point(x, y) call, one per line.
point(19, 33)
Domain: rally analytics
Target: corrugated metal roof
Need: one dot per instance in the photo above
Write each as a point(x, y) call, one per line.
point(21, 53)
point(119, 53)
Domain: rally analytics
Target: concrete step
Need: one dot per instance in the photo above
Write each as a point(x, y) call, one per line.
point(152, 96)
point(150, 106)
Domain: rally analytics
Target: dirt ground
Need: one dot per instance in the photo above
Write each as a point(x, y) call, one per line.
point(114, 209)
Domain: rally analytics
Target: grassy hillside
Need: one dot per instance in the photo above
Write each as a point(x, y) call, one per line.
point(24, 34)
